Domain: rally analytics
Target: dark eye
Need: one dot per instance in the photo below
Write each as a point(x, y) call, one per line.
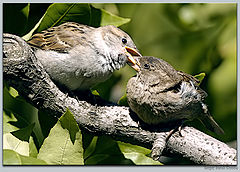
point(146, 66)
point(124, 40)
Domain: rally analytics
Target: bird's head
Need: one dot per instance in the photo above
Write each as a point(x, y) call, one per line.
point(121, 46)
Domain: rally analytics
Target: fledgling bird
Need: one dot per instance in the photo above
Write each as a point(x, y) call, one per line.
point(160, 94)
point(79, 56)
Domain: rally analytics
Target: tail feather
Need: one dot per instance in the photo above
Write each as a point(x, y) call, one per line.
point(211, 124)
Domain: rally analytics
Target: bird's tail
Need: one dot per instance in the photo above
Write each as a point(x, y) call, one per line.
point(211, 124)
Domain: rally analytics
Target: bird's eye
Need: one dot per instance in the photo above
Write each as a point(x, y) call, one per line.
point(124, 40)
point(146, 66)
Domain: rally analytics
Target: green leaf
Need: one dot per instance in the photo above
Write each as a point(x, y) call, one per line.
point(13, 143)
point(33, 152)
point(111, 19)
point(29, 34)
point(24, 113)
point(46, 122)
point(25, 10)
point(106, 151)
point(91, 148)
point(13, 92)
point(200, 77)
point(137, 154)
point(11, 157)
point(68, 122)
point(59, 13)
point(123, 100)
point(7, 127)
point(24, 133)
point(15, 18)
point(58, 148)
point(95, 92)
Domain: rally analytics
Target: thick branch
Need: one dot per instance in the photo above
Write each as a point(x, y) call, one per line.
point(22, 71)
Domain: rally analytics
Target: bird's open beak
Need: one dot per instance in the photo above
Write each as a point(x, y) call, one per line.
point(133, 55)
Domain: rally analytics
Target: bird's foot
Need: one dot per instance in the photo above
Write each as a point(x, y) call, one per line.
point(158, 146)
point(161, 141)
point(179, 129)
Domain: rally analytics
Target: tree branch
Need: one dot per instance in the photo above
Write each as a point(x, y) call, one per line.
point(24, 72)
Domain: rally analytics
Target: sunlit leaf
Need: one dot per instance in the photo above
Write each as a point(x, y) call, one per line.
point(33, 152)
point(200, 77)
point(111, 19)
point(137, 154)
point(13, 92)
point(95, 92)
point(83, 13)
point(13, 143)
point(58, 13)
point(68, 122)
point(58, 148)
point(11, 157)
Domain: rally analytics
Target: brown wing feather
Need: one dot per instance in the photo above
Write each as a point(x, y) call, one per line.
point(187, 77)
point(61, 38)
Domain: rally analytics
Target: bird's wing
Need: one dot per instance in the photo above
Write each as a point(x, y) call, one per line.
point(195, 81)
point(187, 77)
point(61, 38)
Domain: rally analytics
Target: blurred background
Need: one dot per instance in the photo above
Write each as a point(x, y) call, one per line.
point(193, 38)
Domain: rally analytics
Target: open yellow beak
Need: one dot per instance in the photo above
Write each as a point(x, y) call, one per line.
point(133, 62)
